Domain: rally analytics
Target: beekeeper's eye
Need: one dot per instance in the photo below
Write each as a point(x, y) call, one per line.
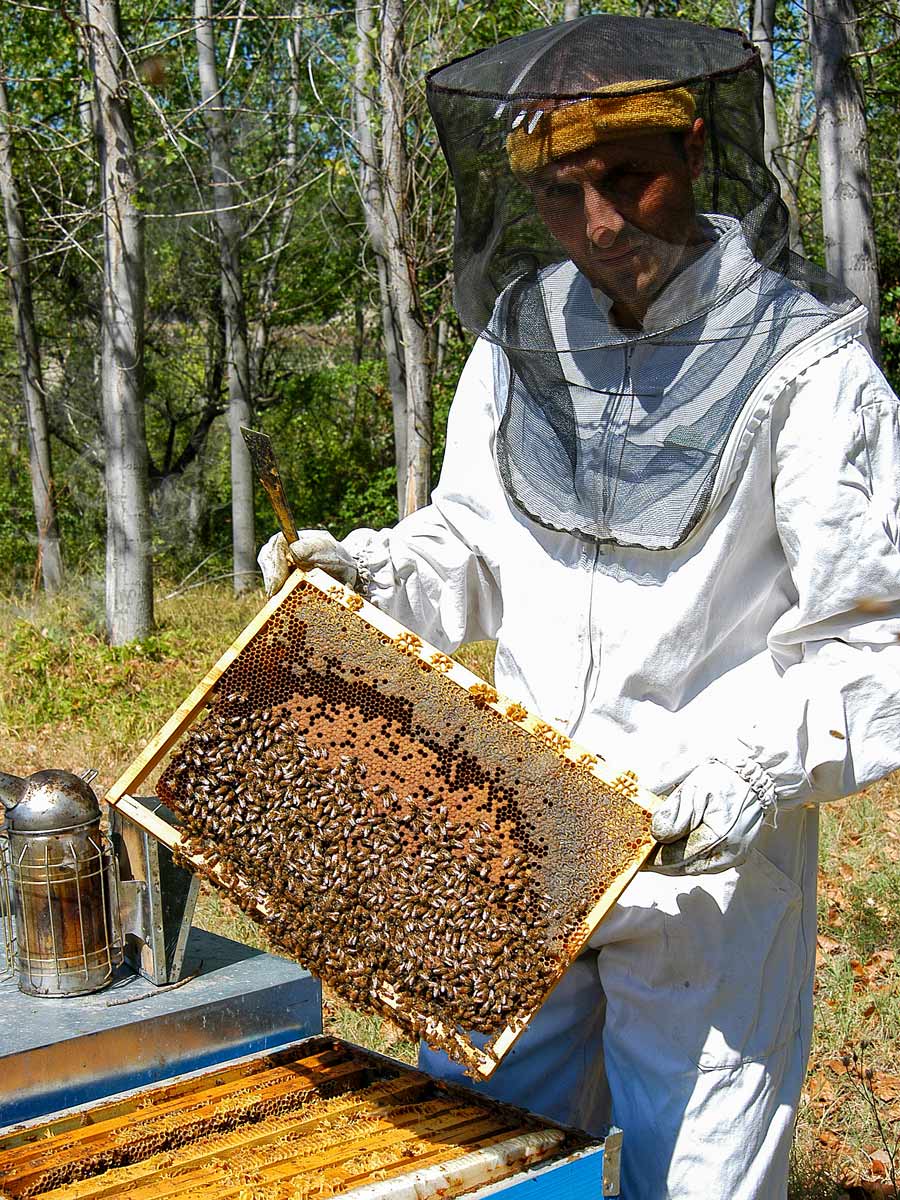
point(627, 180)
point(558, 190)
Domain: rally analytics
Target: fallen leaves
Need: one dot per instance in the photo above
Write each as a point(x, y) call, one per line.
point(880, 1163)
point(886, 1087)
point(828, 945)
point(890, 830)
point(860, 975)
point(837, 1065)
point(874, 975)
point(866, 1172)
point(820, 1089)
point(830, 1140)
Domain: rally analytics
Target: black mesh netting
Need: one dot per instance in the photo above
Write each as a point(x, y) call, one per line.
point(619, 236)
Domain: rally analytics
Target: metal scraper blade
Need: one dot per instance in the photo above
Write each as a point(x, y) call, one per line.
point(262, 455)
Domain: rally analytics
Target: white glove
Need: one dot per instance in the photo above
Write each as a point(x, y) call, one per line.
point(313, 548)
point(720, 810)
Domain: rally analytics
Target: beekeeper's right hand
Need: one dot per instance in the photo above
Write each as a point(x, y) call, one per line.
point(313, 548)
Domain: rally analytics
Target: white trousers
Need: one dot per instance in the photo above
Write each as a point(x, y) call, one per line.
point(685, 1030)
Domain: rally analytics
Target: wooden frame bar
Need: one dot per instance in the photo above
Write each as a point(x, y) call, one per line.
point(625, 783)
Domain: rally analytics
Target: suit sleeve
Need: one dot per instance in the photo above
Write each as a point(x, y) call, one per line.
point(833, 722)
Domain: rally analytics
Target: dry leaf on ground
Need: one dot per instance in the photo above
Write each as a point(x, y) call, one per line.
point(836, 1065)
point(886, 1087)
point(880, 1163)
point(831, 1141)
point(820, 1089)
point(828, 945)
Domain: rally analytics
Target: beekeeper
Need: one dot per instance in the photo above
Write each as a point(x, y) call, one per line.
point(670, 492)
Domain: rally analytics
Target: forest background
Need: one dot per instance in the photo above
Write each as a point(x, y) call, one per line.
point(242, 216)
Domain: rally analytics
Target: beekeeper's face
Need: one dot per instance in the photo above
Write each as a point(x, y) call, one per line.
point(624, 212)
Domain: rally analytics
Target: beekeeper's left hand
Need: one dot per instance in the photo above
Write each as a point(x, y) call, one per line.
point(313, 548)
point(711, 819)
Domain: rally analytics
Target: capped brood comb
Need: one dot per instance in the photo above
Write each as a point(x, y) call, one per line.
point(428, 847)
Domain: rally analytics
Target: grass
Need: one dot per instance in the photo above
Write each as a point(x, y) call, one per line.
point(857, 992)
point(69, 700)
point(100, 704)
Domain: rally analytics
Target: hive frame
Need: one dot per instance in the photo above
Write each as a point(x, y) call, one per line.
point(346, 1077)
point(482, 1063)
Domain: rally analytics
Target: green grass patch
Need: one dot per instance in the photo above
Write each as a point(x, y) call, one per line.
point(479, 658)
point(100, 704)
point(215, 914)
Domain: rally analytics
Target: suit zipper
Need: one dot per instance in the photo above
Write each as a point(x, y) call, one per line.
point(589, 558)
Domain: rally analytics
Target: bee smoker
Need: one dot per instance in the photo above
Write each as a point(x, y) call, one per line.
point(61, 884)
point(81, 902)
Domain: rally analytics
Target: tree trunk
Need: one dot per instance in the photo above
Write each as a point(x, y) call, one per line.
point(87, 107)
point(275, 252)
point(393, 352)
point(845, 179)
point(359, 329)
point(443, 336)
point(28, 350)
point(129, 564)
point(373, 210)
point(571, 10)
point(401, 263)
point(763, 36)
point(237, 356)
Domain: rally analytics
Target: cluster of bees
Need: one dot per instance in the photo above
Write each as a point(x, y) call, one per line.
point(379, 894)
point(432, 852)
point(133, 1142)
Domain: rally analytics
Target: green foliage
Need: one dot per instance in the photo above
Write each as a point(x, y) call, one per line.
point(334, 439)
point(58, 673)
point(890, 336)
point(18, 536)
point(67, 674)
point(17, 548)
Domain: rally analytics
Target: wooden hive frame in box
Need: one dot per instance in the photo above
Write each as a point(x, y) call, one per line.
point(425, 845)
point(320, 1118)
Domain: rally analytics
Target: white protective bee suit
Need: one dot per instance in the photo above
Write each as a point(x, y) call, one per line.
point(770, 635)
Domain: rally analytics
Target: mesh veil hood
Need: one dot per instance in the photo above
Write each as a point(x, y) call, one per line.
point(613, 430)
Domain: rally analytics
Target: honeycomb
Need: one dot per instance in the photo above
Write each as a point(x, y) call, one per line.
point(316, 1119)
point(430, 850)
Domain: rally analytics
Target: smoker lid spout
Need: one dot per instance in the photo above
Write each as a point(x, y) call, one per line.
point(12, 790)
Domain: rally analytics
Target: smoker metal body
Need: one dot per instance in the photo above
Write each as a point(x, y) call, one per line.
point(75, 903)
point(7, 924)
point(61, 882)
point(67, 945)
point(156, 898)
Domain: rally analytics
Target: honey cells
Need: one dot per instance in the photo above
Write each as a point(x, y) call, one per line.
point(424, 855)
